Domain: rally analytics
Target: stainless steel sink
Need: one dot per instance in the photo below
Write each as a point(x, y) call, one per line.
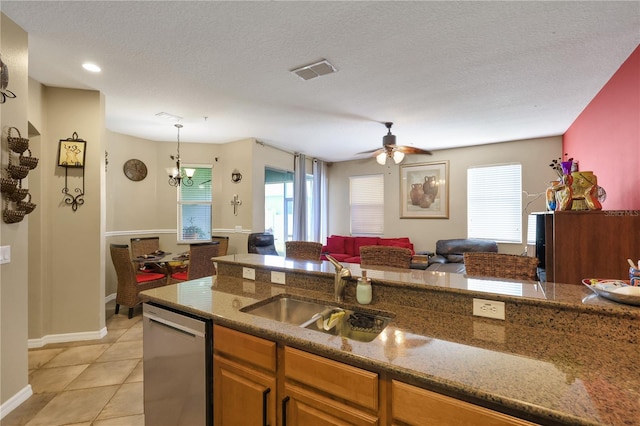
point(286, 309)
point(358, 325)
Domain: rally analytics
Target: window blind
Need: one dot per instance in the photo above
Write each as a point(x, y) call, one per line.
point(366, 199)
point(194, 206)
point(494, 202)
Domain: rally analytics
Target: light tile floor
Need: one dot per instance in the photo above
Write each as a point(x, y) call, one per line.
point(90, 383)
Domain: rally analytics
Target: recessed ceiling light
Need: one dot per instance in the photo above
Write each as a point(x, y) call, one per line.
point(91, 67)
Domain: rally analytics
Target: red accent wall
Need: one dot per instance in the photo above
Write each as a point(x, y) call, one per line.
point(605, 138)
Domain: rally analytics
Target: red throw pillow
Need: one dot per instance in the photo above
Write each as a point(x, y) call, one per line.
point(364, 241)
point(335, 244)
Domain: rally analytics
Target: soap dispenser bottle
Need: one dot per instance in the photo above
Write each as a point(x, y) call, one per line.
point(363, 289)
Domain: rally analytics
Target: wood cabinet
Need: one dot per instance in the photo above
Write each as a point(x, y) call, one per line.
point(256, 382)
point(244, 379)
point(411, 405)
point(319, 391)
point(588, 244)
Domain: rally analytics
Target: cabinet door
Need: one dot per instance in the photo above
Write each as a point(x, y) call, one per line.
point(241, 395)
point(301, 407)
point(416, 406)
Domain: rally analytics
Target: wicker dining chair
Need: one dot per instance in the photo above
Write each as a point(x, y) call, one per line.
point(145, 245)
point(224, 244)
point(303, 250)
point(397, 257)
point(200, 263)
point(130, 282)
point(501, 265)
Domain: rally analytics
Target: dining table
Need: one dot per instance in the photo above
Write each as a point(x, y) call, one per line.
point(161, 260)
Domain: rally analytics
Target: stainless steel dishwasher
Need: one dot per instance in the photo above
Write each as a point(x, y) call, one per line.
point(178, 374)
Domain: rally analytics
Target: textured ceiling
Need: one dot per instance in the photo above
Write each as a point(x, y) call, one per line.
point(448, 74)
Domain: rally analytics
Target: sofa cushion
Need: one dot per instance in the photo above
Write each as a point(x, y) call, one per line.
point(397, 242)
point(364, 241)
point(349, 248)
point(335, 244)
point(352, 259)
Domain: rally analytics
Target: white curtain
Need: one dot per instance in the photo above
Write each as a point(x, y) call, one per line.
point(300, 198)
point(319, 225)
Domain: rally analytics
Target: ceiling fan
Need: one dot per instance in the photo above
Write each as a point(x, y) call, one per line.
point(391, 150)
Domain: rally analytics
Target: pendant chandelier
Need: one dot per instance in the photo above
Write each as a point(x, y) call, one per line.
point(176, 175)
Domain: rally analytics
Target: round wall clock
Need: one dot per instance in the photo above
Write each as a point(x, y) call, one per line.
point(135, 169)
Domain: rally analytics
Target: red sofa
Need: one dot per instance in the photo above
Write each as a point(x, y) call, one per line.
point(347, 249)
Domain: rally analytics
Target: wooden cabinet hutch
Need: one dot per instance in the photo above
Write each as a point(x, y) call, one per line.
point(572, 245)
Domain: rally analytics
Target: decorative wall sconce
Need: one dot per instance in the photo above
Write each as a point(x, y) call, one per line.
point(71, 154)
point(236, 176)
point(176, 177)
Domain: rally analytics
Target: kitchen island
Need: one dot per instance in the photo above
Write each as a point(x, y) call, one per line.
point(561, 356)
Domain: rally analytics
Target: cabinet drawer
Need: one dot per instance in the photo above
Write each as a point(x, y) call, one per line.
point(344, 381)
point(250, 349)
point(416, 406)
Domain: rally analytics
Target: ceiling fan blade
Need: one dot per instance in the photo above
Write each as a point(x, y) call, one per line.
point(412, 150)
point(373, 152)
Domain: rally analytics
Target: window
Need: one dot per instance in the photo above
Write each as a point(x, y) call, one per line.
point(494, 203)
point(278, 206)
point(366, 200)
point(194, 206)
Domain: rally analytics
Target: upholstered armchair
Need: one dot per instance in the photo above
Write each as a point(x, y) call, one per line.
point(449, 255)
point(261, 243)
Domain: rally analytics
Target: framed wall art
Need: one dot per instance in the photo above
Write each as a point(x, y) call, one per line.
point(71, 152)
point(424, 190)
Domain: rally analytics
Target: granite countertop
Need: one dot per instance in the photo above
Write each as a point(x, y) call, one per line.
point(538, 372)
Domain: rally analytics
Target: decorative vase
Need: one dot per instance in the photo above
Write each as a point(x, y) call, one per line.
point(564, 193)
point(416, 193)
point(551, 195)
point(585, 191)
point(430, 187)
point(566, 167)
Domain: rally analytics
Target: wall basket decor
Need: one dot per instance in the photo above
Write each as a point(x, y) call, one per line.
point(71, 154)
point(11, 185)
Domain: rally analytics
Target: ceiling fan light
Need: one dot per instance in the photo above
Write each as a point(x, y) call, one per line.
point(381, 158)
point(398, 156)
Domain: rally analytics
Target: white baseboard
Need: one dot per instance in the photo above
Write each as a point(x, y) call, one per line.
point(109, 298)
point(67, 337)
point(15, 401)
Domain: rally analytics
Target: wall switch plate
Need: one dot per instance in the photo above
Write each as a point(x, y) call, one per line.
point(278, 277)
point(5, 254)
point(488, 308)
point(249, 273)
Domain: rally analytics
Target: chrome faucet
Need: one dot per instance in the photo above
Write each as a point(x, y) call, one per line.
point(343, 275)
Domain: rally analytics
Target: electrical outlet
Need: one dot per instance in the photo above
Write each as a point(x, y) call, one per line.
point(249, 273)
point(488, 308)
point(278, 277)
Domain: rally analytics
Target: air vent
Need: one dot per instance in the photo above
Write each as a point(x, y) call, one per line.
point(314, 70)
point(168, 116)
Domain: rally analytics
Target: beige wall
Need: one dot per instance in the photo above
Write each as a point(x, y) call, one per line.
point(67, 247)
point(534, 155)
point(14, 275)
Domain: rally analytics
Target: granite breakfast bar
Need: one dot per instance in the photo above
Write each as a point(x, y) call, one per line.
point(561, 356)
